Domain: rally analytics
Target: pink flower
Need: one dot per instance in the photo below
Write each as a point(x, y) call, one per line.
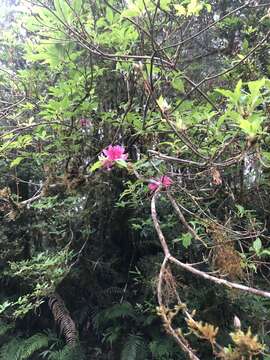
point(85, 122)
point(153, 185)
point(111, 155)
point(165, 181)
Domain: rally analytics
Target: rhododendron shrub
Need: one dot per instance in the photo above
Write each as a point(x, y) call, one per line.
point(135, 158)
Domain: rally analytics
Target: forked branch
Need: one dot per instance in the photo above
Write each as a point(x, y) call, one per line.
point(168, 315)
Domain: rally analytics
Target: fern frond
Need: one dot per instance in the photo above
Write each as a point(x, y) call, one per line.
point(5, 328)
point(134, 348)
point(112, 291)
point(10, 350)
point(33, 344)
point(68, 353)
point(114, 312)
point(120, 311)
point(22, 349)
point(63, 319)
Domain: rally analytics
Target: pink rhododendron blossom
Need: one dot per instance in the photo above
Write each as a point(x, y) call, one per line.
point(164, 181)
point(153, 186)
point(111, 155)
point(85, 122)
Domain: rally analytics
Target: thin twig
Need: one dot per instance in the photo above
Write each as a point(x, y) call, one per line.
point(183, 220)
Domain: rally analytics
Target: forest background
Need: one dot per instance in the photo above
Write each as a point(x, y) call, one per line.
point(134, 186)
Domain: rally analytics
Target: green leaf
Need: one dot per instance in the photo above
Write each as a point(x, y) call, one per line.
point(241, 210)
point(179, 123)
point(246, 126)
point(5, 305)
point(257, 245)
point(255, 86)
point(237, 91)
point(180, 10)
point(162, 103)
point(95, 166)
point(252, 126)
point(133, 10)
point(63, 11)
point(121, 163)
point(165, 4)
point(178, 84)
point(77, 5)
point(41, 133)
point(16, 161)
point(265, 252)
point(186, 240)
point(109, 15)
point(208, 7)
point(227, 93)
point(266, 156)
point(194, 7)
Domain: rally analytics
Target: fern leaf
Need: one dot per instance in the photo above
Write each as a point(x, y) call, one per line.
point(134, 348)
point(67, 353)
point(5, 328)
point(11, 350)
point(102, 318)
point(22, 349)
point(63, 319)
point(33, 344)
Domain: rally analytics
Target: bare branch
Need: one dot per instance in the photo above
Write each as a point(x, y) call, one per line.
point(226, 283)
point(180, 43)
point(157, 226)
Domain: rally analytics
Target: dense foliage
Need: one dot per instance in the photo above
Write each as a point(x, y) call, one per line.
point(134, 187)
